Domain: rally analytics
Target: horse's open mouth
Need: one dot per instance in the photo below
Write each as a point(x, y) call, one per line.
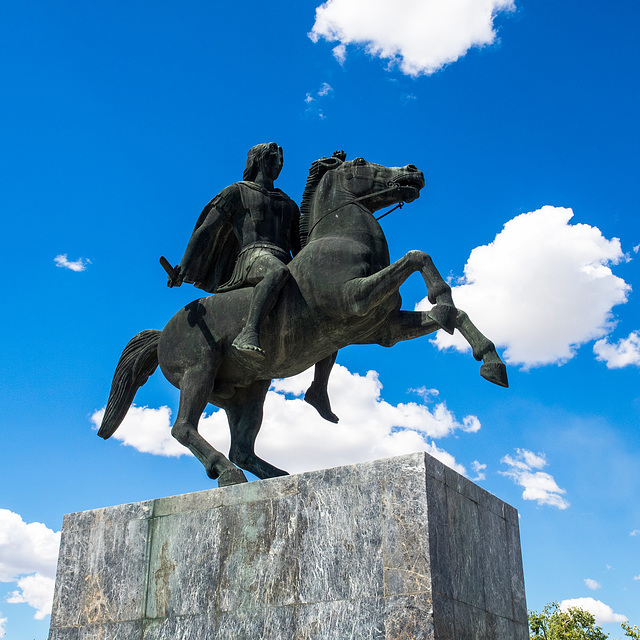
point(413, 180)
point(410, 184)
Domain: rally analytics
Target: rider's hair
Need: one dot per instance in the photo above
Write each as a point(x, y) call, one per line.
point(316, 173)
point(254, 157)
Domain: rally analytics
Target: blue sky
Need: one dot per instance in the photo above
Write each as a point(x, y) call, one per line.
point(121, 120)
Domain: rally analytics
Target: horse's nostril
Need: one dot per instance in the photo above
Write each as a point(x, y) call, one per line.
point(411, 167)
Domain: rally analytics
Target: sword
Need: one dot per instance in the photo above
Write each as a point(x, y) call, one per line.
point(173, 273)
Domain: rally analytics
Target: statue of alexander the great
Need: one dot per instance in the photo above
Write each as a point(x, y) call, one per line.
point(245, 237)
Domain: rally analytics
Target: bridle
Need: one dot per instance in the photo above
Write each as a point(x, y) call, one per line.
point(391, 187)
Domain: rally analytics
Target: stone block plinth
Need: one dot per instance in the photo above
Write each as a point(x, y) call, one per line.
point(397, 549)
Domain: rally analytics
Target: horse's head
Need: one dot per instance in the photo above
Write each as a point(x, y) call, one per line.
point(334, 183)
point(376, 186)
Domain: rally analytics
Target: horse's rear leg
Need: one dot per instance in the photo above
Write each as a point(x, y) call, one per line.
point(492, 369)
point(195, 389)
point(245, 419)
point(365, 293)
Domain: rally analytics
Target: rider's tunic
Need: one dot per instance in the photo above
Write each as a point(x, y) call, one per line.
point(246, 210)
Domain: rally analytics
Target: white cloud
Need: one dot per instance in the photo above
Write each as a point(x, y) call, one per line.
point(636, 577)
point(538, 485)
point(420, 36)
point(295, 438)
point(78, 265)
point(325, 89)
point(312, 97)
point(603, 613)
point(340, 53)
point(28, 556)
point(541, 289)
point(635, 532)
point(3, 626)
point(592, 584)
point(147, 430)
point(479, 470)
point(37, 592)
point(619, 354)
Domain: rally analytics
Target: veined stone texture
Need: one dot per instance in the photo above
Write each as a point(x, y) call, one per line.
point(396, 549)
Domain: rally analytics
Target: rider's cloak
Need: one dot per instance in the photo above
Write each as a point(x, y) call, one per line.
point(213, 265)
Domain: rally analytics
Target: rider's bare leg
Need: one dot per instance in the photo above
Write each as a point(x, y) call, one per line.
point(316, 394)
point(365, 293)
point(267, 276)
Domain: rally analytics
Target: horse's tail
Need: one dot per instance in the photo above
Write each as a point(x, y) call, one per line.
point(137, 362)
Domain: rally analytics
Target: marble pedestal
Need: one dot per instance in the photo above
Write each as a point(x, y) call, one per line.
point(403, 548)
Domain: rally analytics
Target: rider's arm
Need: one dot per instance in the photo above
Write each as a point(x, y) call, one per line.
point(217, 212)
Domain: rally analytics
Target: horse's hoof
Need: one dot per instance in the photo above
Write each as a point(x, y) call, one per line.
point(445, 316)
point(495, 372)
point(231, 476)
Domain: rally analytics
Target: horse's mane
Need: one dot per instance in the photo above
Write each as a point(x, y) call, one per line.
point(316, 173)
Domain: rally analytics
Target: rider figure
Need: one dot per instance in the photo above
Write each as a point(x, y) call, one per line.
point(245, 237)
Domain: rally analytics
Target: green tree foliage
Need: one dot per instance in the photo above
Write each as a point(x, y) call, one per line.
point(574, 624)
point(631, 631)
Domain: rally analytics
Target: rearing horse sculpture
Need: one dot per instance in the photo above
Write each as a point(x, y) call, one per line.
point(343, 290)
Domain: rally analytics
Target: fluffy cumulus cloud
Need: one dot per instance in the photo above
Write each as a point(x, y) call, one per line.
point(3, 626)
point(619, 354)
point(77, 265)
point(525, 470)
point(602, 612)
point(28, 556)
point(294, 437)
point(541, 289)
point(419, 36)
point(592, 584)
point(36, 591)
point(635, 532)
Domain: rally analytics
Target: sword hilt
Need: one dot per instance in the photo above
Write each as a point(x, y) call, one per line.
point(172, 272)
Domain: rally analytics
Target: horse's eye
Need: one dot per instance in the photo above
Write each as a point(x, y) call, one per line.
point(359, 161)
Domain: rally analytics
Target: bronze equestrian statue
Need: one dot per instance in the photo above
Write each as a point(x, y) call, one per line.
point(246, 236)
point(341, 289)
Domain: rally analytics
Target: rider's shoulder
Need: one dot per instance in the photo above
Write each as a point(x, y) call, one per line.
point(252, 186)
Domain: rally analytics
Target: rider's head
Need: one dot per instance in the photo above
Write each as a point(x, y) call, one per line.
point(266, 157)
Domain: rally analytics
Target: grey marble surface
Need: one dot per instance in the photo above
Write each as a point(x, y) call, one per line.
point(396, 549)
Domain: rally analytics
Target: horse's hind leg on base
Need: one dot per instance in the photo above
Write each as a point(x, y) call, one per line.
point(195, 388)
point(245, 413)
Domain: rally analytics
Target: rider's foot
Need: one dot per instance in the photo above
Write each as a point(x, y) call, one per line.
point(247, 342)
point(445, 316)
point(318, 398)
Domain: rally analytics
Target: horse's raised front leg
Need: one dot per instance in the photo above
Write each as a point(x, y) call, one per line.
point(195, 388)
point(492, 369)
point(365, 293)
point(403, 325)
point(406, 325)
point(244, 413)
